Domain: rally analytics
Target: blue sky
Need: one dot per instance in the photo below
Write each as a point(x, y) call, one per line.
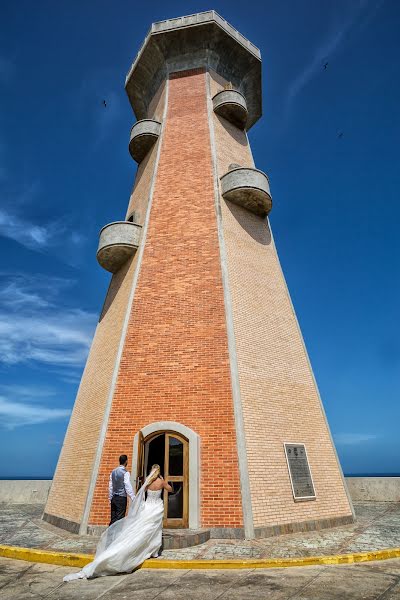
point(65, 172)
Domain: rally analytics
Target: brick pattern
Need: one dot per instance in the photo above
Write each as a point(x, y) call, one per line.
point(66, 500)
point(280, 400)
point(140, 194)
point(175, 363)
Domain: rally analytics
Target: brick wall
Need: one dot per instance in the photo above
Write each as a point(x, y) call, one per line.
point(141, 189)
point(279, 397)
point(175, 363)
point(66, 499)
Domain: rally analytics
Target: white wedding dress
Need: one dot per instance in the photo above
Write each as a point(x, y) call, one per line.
point(127, 543)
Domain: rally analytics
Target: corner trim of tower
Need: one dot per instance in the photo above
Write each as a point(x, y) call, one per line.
point(247, 509)
point(103, 431)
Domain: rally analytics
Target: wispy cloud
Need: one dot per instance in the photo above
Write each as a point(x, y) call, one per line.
point(351, 439)
point(31, 235)
point(16, 414)
point(26, 392)
point(34, 328)
point(19, 406)
point(30, 292)
point(360, 13)
point(19, 222)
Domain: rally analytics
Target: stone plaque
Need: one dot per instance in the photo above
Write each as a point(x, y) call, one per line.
point(299, 470)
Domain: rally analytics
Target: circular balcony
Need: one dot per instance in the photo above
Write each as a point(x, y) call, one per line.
point(249, 188)
point(118, 242)
point(144, 135)
point(231, 105)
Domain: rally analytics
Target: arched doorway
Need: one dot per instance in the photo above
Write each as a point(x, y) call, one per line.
point(170, 450)
point(194, 472)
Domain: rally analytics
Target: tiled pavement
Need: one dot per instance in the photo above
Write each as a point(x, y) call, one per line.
point(20, 580)
point(377, 527)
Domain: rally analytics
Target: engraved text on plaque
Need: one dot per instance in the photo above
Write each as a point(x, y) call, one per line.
point(299, 470)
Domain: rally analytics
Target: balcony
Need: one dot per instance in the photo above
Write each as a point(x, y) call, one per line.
point(118, 242)
point(231, 105)
point(248, 188)
point(144, 135)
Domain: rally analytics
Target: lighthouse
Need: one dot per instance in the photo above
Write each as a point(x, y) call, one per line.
point(198, 362)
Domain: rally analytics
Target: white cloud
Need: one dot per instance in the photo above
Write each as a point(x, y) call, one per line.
point(34, 237)
point(13, 296)
point(26, 391)
point(34, 328)
point(16, 414)
point(350, 439)
point(60, 234)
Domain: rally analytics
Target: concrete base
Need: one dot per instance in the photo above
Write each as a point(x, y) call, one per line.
point(70, 526)
point(174, 539)
point(184, 538)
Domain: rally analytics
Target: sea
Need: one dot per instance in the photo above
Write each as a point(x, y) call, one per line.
point(40, 477)
point(24, 478)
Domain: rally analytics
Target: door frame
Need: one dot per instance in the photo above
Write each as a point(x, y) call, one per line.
point(184, 478)
point(194, 462)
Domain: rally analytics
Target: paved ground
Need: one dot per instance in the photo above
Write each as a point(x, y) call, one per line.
point(369, 581)
point(377, 527)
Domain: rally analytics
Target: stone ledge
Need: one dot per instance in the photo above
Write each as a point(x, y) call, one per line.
point(231, 105)
point(70, 526)
point(302, 526)
point(248, 188)
point(144, 135)
point(174, 539)
point(118, 241)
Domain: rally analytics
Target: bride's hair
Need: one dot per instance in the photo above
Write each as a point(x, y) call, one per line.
point(155, 469)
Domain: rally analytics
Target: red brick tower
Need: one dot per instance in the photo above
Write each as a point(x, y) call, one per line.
point(198, 362)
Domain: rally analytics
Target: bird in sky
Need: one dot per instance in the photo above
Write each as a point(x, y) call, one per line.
point(326, 66)
point(105, 104)
point(340, 134)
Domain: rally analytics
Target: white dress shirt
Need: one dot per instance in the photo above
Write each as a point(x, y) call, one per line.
point(127, 485)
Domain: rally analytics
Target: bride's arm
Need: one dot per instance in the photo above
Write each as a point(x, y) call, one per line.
point(166, 485)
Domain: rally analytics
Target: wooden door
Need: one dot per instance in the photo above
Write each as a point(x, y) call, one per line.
point(140, 463)
point(176, 471)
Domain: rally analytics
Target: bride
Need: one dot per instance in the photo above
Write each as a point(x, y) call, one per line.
point(130, 541)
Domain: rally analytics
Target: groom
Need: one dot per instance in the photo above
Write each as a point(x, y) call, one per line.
point(119, 487)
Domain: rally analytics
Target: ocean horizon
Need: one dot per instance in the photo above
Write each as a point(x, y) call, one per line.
point(41, 477)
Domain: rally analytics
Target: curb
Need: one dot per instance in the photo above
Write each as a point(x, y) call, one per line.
point(68, 559)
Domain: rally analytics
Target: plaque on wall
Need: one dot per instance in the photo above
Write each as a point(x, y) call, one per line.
point(299, 471)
